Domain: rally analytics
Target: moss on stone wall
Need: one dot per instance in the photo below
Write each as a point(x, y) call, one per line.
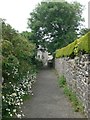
point(81, 44)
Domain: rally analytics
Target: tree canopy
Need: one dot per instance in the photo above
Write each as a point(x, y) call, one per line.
point(55, 24)
point(18, 70)
point(83, 31)
point(17, 53)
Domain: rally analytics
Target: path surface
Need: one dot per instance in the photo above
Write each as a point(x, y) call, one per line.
point(49, 100)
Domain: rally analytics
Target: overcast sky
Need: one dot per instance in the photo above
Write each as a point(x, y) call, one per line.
point(16, 12)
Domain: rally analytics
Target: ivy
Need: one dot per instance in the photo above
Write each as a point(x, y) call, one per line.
point(73, 49)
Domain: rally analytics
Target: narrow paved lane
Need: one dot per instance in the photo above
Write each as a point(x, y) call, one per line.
point(49, 100)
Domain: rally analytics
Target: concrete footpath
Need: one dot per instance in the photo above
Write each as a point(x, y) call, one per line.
point(49, 100)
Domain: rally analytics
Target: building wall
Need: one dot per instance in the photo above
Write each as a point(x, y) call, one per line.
point(77, 76)
point(43, 56)
point(39, 55)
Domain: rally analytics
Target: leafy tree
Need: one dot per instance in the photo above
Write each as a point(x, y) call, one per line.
point(18, 70)
point(55, 24)
point(17, 53)
point(7, 31)
point(83, 31)
point(26, 34)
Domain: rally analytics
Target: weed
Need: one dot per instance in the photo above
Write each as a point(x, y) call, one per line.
point(62, 81)
point(78, 107)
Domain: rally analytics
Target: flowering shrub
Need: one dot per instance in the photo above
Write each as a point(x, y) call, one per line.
point(13, 100)
point(18, 71)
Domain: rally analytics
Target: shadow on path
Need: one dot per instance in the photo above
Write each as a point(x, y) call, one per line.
point(49, 100)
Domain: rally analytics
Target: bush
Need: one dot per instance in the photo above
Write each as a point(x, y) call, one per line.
point(39, 64)
point(84, 43)
point(18, 71)
point(7, 48)
point(73, 49)
point(14, 95)
point(10, 66)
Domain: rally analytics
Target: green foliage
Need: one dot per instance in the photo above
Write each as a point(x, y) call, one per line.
point(54, 24)
point(38, 63)
point(7, 48)
point(71, 95)
point(74, 100)
point(17, 54)
point(26, 35)
point(73, 49)
point(84, 43)
point(66, 51)
point(83, 31)
point(8, 32)
point(23, 48)
point(26, 97)
point(10, 64)
point(17, 69)
point(62, 81)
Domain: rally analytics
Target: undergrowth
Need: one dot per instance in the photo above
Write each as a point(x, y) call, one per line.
point(62, 81)
point(78, 107)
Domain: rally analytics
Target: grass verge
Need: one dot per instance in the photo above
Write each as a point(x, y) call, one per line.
point(78, 107)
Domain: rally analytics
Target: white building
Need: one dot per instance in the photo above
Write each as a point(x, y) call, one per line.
point(42, 55)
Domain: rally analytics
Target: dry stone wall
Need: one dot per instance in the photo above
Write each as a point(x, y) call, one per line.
point(77, 76)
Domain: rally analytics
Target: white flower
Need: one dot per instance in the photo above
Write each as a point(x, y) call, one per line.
point(21, 100)
point(14, 94)
point(23, 93)
point(18, 115)
point(8, 73)
point(3, 97)
point(9, 103)
point(18, 103)
point(23, 115)
point(21, 103)
point(17, 89)
point(14, 110)
point(11, 115)
point(10, 82)
point(32, 93)
point(2, 79)
point(7, 109)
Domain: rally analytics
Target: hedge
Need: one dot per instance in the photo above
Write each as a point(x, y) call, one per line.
point(81, 44)
point(18, 71)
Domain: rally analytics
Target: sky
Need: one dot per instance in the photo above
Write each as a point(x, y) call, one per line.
point(17, 12)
